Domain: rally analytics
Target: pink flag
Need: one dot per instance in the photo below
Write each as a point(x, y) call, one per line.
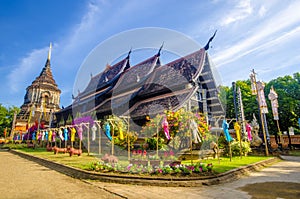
point(165, 126)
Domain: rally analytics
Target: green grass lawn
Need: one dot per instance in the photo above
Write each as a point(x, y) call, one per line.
point(225, 164)
point(294, 152)
point(84, 161)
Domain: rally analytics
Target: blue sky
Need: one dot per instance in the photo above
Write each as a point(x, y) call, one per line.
point(263, 35)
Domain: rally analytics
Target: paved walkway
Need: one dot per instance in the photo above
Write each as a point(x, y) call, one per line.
point(281, 172)
point(21, 178)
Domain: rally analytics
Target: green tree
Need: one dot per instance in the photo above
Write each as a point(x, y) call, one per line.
point(6, 118)
point(288, 90)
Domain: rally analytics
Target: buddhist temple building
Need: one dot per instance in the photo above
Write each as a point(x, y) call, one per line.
point(41, 100)
point(148, 88)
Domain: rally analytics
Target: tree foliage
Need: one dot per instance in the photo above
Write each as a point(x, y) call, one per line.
point(6, 118)
point(288, 90)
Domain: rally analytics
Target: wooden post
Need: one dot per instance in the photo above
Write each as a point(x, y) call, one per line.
point(230, 154)
point(87, 125)
point(128, 148)
point(128, 129)
point(261, 114)
point(218, 148)
point(99, 140)
point(157, 138)
point(88, 141)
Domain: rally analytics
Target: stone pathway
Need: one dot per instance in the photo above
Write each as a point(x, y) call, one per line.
point(21, 178)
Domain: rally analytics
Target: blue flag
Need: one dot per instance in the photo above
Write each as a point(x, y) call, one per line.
point(225, 127)
point(66, 134)
point(107, 131)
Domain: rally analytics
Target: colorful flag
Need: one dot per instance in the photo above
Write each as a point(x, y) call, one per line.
point(50, 136)
point(66, 134)
point(79, 131)
point(262, 100)
point(73, 132)
point(94, 129)
point(237, 129)
point(46, 135)
point(107, 131)
point(121, 133)
point(165, 126)
point(249, 129)
point(253, 84)
point(195, 132)
point(274, 103)
point(225, 127)
point(60, 133)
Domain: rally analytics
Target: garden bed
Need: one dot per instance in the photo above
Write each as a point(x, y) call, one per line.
point(159, 179)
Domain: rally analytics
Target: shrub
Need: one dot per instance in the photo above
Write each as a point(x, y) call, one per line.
point(235, 148)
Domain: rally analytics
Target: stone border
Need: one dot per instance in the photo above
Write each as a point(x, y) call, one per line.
point(148, 180)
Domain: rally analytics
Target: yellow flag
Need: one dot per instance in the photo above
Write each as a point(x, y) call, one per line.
point(237, 128)
point(121, 134)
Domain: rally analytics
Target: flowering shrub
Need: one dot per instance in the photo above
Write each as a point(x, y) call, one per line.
point(179, 125)
point(179, 169)
point(169, 155)
point(235, 148)
point(139, 154)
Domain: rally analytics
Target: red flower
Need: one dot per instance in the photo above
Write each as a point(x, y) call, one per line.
point(145, 153)
point(139, 152)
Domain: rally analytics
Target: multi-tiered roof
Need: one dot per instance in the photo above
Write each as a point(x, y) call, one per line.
point(149, 88)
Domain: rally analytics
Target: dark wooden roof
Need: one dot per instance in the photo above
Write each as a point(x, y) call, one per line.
point(156, 105)
point(174, 75)
point(149, 88)
point(104, 79)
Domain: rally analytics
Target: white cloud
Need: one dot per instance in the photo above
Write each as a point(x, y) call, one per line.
point(26, 70)
point(267, 33)
point(242, 10)
point(64, 55)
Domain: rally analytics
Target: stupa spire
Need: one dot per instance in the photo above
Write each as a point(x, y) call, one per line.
point(49, 52)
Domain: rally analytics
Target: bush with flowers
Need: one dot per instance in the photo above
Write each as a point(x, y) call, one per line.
point(178, 169)
point(179, 125)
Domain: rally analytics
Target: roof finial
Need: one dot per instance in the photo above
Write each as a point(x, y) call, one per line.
point(206, 47)
point(49, 52)
point(158, 54)
point(129, 53)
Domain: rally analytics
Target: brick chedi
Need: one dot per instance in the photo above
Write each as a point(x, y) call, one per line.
point(42, 98)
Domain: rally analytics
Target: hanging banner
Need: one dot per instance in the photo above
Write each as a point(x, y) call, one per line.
point(262, 99)
point(253, 84)
point(165, 126)
point(274, 102)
